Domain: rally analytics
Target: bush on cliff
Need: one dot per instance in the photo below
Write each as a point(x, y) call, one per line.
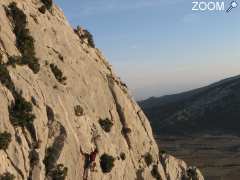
point(5, 139)
point(106, 163)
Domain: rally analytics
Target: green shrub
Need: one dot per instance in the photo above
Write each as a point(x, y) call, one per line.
point(59, 173)
point(155, 173)
point(13, 60)
point(106, 124)
point(34, 157)
point(24, 41)
point(78, 110)
point(192, 173)
point(58, 73)
point(5, 78)
point(7, 176)
point(161, 152)
point(25, 60)
point(85, 34)
point(106, 163)
point(148, 159)
point(21, 112)
point(48, 4)
point(5, 139)
point(18, 17)
point(89, 37)
point(123, 156)
point(123, 84)
point(32, 63)
point(126, 130)
point(42, 9)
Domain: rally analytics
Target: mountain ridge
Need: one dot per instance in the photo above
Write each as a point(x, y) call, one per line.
point(164, 112)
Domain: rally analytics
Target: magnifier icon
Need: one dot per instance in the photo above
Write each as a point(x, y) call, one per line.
point(233, 5)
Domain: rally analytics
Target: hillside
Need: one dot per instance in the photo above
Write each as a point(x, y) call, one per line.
point(60, 101)
point(213, 109)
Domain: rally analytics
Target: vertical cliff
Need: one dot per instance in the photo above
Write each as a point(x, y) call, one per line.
point(60, 99)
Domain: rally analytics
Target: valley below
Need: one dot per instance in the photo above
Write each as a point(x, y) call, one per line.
point(218, 157)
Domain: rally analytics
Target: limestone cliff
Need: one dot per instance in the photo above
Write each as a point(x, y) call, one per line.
point(59, 100)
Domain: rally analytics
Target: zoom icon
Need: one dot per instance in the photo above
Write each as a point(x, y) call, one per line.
point(233, 5)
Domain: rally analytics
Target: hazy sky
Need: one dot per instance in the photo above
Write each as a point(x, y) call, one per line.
point(161, 47)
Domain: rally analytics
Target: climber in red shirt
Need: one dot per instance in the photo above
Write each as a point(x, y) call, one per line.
point(92, 157)
point(90, 163)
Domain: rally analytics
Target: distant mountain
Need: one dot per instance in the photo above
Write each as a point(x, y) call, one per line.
point(214, 109)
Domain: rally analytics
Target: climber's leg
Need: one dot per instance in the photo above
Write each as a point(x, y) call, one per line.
point(85, 174)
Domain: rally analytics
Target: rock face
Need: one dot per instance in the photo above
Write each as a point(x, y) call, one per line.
point(60, 100)
point(178, 169)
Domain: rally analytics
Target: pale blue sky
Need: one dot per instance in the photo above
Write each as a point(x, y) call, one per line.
point(161, 47)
